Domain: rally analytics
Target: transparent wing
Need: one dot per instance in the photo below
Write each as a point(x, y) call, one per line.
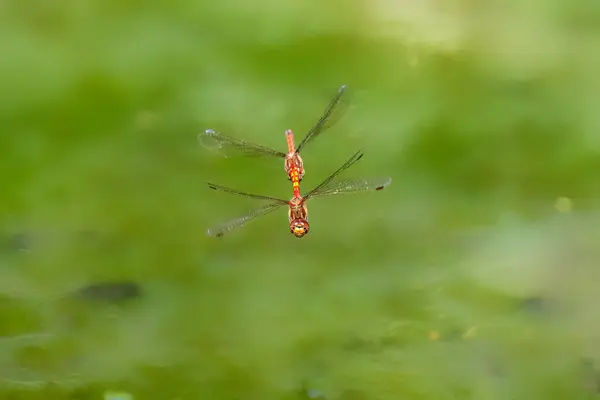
point(353, 186)
point(332, 114)
point(230, 147)
point(355, 157)
point(226, 227)
point(245, 194)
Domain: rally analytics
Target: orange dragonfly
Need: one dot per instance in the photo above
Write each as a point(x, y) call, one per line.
point(293, 164)
point(298, 212)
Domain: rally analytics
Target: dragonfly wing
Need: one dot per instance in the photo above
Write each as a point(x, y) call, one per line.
point(245, 194)
point(332, 114)
point(226, 227)
point(355, 157)
point(353, 186)
point(228, 146)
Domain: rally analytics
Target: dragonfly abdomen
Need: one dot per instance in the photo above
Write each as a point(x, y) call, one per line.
point(289, 137)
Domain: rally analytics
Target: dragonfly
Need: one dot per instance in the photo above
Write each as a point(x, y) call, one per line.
point(297, 210)
point(293, 163)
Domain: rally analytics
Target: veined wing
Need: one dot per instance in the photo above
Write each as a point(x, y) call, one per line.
point(228, 146)
point(228, 226)
point(353, 186)
point(331, 115)
point(355, 157)
point(245, 194)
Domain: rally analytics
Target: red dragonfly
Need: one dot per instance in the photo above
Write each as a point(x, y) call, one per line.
point(298, 212)
point(293, 164)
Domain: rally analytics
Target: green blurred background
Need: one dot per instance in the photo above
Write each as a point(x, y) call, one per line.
point(484, 114)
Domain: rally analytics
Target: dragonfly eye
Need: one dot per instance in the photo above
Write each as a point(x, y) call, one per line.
point(299, 228)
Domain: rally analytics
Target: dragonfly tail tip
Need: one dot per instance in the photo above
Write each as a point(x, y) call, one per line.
point(211, 232)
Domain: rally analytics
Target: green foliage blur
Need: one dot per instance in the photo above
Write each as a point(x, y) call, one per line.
point(471, 277)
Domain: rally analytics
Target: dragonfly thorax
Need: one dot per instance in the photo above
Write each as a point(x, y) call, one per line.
point(297, 209)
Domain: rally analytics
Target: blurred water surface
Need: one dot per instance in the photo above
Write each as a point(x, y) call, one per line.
point(472, 276)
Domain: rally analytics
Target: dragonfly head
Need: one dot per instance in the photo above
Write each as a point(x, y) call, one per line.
point(299, 227)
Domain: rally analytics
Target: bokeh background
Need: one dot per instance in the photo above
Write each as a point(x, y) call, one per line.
point(473, 276)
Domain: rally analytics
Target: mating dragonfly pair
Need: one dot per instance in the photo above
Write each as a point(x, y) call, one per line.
point(294, 168)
